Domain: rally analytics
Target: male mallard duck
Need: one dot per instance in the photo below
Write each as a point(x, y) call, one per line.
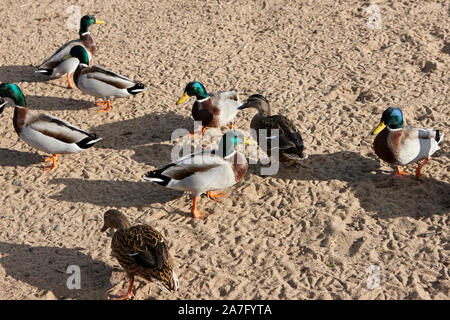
point(141, 251)
point(45, 132)
point(205, 171)
point(214, 109)
point(100, 82)
point(290, 143)
point(400, 145)
point(58, 64)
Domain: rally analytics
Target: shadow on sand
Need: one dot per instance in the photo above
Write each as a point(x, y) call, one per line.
point(13, 158)
point(44, 103)
point(120, 194)
point(46, 269)
point(21, 74)
point(154, 127)
point(376, 190)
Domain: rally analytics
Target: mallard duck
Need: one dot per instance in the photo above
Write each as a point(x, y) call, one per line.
point(290, 143)
point(401, 145)
point(45, 132)
point(214, 109)
point(141, 251)
point(58, 64)
point(205, 171)
point(101, 82)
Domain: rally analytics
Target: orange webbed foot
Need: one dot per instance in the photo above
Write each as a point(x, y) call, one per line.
point(214, 196)
point(194, 133)
point(198, 214)
point(102, 103)
point(400, 173)
point(54, 160)
point(125, 296)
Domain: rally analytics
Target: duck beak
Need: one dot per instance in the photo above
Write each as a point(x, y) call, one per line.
point(104, 228)
point(249, 141)
point(2, 106)
point(380, 127)
point(183, 98)
point(244, 106)
point(98, 21)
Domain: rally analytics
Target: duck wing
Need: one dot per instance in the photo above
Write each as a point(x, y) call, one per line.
point(58, 56)
point(58, 129)
point(185, 167)
point(192, 164)
point(107, 76)
point(144, 245)
point(289, 138)
point(224, 95)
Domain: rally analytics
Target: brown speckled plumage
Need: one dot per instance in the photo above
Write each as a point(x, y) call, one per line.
point(290, 141)
point(141, 250)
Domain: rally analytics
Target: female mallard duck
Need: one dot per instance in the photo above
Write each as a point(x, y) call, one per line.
point(58, 64)
point(214, 109)
point(45, 132)
point(205, 171)
point(290, 143)
point(400, 145)
point(100, 82)
point(141, 251)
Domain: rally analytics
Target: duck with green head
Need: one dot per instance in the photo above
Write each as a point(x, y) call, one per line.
point(59, 64)
point(205, 171)
point(100, 82)
point(213, 109)
point(42, 131)
point(400, 145)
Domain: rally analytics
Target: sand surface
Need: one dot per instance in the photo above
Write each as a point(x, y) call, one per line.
point(319, 231)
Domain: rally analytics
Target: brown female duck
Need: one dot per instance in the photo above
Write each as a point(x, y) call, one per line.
point(290, 143)
point(141, 251)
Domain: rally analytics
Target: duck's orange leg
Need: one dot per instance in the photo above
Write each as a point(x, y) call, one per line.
point(214, 196)
point(400, 173)
point(231, 125)
point(129, 294)
point(69, 83)
point(419, 167)
point(193, 133)
point(102, 103)
point(54, 160)
point(198, 214)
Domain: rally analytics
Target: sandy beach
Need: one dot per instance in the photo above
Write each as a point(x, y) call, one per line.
point(338, 226)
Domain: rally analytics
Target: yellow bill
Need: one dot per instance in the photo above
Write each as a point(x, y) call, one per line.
point(183, 98)
point(98, 21)
point(249, 141)
point(378, 129)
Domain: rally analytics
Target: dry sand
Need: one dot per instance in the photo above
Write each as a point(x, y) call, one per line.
point(311, 232)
